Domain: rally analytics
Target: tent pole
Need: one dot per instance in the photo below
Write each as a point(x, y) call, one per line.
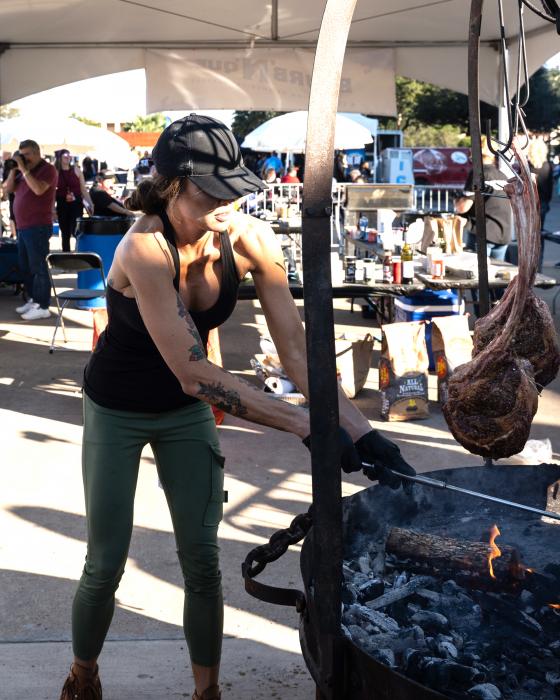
point(476, 150)
point(319, 327)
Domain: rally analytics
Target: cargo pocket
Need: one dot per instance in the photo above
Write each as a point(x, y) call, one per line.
point(215, 507)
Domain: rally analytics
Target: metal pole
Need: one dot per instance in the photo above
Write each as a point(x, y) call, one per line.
point(476, 150)
point(319, 320)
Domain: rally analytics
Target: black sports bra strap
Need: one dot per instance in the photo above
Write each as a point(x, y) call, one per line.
point(169, 235)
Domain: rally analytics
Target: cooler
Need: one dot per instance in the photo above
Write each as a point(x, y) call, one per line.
point(101, 235)
point(426, 305)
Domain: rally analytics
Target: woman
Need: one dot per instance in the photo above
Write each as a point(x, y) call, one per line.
point(71, 195)
point(174, 277)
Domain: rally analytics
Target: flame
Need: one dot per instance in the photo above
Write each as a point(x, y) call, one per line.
point(494, 549)
point(554, 606)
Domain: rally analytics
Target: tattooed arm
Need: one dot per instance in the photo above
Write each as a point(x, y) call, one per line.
point(173, 331)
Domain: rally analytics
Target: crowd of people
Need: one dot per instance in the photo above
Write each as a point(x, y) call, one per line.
point(37, 193)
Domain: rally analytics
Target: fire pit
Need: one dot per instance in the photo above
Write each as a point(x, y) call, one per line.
point(430, 610)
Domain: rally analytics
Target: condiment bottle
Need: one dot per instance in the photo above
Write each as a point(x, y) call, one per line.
point(407, 263)
point(350, 268)
point(387, 267)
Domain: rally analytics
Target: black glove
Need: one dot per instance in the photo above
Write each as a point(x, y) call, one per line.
point(376, 450)
point(349, 458)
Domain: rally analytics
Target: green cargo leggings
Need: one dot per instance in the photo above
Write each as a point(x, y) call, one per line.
point(190, 468)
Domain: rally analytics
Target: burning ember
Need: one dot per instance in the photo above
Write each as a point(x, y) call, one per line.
point(494, 549)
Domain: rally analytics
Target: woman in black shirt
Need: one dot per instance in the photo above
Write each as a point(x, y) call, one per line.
point(174, 277)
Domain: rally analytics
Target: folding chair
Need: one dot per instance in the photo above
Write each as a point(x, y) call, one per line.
point(73, 262)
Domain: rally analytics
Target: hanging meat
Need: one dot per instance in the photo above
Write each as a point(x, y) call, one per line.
point(493, 398)
point(535, 337)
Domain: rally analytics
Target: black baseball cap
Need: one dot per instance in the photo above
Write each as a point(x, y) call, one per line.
point(205, 150)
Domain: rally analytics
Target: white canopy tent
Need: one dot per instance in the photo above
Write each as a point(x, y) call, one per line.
point(261, 58)
point(287, 133)
point(58, 132)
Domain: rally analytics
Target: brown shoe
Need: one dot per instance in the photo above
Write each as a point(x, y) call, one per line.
point(211, 693)
point(83, 685)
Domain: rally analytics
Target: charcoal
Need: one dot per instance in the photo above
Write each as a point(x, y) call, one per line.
point(371, 589)
point(358, 634)
point(347, 572)
point(378, 620)
point(451, 587)
point(446, 649)
point(346, 632)
point(401, 579)
point(468, 659)
point(385, 656)
point(441, 673)
point(431, 621)
point(401, 593)
point(526, 597)
point(364, 564)
point(552, 678)
point(485, 691)
point(349, 594)
point(532, 685)
point(555, 648)
point(426, 596)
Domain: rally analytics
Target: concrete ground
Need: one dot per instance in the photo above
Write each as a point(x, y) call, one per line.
point(43, 529)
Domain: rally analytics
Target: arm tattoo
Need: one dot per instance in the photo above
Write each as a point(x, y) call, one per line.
point(111, 282)
point(196, 352)
point(226, 399)
point(279, 264)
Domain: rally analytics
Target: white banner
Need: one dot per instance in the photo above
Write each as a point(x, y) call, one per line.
point(264, 79)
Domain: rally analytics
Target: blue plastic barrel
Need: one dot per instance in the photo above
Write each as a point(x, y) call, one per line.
point(101, 235)
point(425, 305)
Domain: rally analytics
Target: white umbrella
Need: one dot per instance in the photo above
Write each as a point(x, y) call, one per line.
point(65, 132)
point(288, 131)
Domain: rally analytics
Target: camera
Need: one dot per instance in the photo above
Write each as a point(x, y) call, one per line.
point(19, 155)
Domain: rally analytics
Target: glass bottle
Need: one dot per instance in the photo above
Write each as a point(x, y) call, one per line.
point(407, 263)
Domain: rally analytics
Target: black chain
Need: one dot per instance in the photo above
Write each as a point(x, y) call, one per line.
point(277, 545)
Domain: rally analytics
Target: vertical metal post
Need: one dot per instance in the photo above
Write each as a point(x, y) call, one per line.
point(319, 319)
point(476, 150)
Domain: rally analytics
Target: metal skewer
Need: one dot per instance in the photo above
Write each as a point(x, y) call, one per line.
point(437, 484)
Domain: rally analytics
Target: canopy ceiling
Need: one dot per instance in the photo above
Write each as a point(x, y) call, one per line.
point(251, 53)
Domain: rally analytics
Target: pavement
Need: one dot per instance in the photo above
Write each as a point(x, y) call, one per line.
point(42, 546)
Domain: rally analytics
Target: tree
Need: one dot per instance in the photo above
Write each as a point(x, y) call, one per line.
point(150, 123)
point(244, 122)
point(8, 112)
point(85, 120)
point(543, 109)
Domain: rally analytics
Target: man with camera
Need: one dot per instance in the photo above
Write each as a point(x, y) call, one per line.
point(33, 182)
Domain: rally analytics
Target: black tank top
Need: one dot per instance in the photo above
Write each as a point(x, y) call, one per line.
point(126, 370)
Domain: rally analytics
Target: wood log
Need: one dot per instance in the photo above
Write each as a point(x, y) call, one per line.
point(432, 554)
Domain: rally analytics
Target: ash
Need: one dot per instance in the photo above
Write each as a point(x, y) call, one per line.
point(464, 643)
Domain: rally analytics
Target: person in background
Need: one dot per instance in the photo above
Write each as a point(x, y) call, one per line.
point(499, 221)
point(89, 168)
point(356, 176)
point(104, 203)
point(291, 176)
point(33, 182)
point(273, 161)
point(541, 166)
point(143, 167)
point(174, 277)
point(498, 209)
point(543, 171)
point(340, 167)
point(271, 176)
point(9, 164)
point(71, 196)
